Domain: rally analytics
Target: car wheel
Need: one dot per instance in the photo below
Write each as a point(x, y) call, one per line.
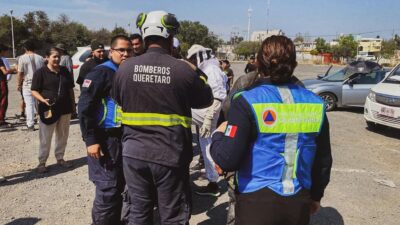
point(330, 101)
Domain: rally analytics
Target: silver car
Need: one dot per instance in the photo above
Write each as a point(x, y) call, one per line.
point(345, 87)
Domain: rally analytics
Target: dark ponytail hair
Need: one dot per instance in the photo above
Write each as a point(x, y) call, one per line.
point(276, 59)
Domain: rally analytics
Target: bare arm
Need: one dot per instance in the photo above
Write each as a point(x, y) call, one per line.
point(40, 98)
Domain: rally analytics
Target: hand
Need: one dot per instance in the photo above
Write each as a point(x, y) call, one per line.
point(19, 88)
point(205, 129)
point(46, 101)
point(315, 207)
point(94, 151)
point(219, 170)
point(222, 127)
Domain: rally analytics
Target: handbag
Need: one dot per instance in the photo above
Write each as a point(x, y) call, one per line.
point(48, 115)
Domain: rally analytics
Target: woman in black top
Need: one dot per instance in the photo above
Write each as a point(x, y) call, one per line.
point(52, 86)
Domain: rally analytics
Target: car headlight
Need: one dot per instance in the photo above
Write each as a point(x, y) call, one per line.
point(372, 96)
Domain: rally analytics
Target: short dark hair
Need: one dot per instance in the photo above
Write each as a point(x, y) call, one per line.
point(29, 45)
point(118, 37)
point(226, 62)
point(136, 36)
point(4, 48)
point(49, 51)
point(277, 59)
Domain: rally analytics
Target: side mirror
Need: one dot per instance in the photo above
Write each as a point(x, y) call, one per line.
point(320, 76)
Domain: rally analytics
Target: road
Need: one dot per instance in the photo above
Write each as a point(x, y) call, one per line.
point(364, 187)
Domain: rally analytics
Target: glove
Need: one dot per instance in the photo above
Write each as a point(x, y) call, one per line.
point(211, 114)
point(205, 129)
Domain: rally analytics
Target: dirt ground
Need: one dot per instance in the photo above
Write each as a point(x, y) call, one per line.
point(364, 187)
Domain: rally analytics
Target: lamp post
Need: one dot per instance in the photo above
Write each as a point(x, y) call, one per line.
point(12, 33)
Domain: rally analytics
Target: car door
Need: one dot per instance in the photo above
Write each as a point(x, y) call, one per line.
point(357, 87)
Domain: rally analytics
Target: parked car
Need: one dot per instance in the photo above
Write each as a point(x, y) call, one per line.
point(81, 56)
point(348, 86)
point(382, 106)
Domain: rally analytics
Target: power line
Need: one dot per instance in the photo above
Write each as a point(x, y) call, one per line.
point(360, 33)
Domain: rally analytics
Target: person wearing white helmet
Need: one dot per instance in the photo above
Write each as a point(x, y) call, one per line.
point(207, 118)
point(156, 93)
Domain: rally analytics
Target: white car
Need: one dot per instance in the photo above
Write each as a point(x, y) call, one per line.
point(80, 57)
point(382, 106)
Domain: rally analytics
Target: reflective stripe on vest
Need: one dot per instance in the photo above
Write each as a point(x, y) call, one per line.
point(155, 119)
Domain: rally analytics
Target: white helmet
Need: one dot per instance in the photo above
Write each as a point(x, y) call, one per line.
point(200, 52)
point(157, 23)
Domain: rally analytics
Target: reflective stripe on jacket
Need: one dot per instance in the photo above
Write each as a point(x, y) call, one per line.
point(288, 120)
point(109, 113)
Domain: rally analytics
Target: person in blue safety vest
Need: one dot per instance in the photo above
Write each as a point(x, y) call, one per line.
point(277, 140)
point(156, 93)
point(100, 124)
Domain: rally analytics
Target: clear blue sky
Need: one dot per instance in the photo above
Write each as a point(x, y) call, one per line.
point(314, 17)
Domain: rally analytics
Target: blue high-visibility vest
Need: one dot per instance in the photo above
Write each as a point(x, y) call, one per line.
point(288, 120)
point(109, 113)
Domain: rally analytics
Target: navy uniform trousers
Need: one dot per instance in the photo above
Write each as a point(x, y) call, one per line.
point(107, 175)
point(150, 183)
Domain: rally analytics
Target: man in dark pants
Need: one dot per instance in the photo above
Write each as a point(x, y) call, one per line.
point(101, 132)
point(156, 93)
point(98, 58)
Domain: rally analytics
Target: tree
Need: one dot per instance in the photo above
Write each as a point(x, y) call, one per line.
point(38, 25)
point(247, 48)
point(347, 47)
point(20, 32)
point(299, 38)
point(196, 33)
point(103, 36)
point(118, 31)
point(321, 45)
point(388, 48)
point(71, 34)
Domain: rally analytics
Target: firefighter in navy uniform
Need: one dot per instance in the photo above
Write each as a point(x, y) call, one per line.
point(156, 93)
point(100, 127)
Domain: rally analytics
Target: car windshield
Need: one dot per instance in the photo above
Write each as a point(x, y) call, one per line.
point(394, 77)
point(337, 76)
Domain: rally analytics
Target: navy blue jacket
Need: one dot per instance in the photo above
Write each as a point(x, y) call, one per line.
point(95, 87)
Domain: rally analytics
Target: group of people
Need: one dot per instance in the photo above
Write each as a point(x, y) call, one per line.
point(136, 109)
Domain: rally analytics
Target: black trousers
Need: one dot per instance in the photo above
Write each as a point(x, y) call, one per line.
point(265, 207)
point(106, 173)
point(149, 183)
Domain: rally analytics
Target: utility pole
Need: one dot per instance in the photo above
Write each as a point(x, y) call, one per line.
point(12, 33)
point(268, 6)
point(249, 22)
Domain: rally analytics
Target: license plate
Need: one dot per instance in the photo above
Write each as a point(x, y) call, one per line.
point(387, 112)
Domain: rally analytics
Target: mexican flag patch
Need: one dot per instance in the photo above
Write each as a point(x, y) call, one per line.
point(231, 131)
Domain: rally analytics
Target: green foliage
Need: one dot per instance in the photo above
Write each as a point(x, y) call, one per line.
point(321, 45)
point(314, 52)
point(247, 48)
point(196, 33)
point(347, 47)
point(388, 48)
point(118, 31)
point(37, 26)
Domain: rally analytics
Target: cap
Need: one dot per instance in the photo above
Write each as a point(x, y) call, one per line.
point(60, 46)
point(96, 45)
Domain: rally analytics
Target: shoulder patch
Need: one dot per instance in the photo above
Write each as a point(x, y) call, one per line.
point(86, 83)
point(231, 131)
